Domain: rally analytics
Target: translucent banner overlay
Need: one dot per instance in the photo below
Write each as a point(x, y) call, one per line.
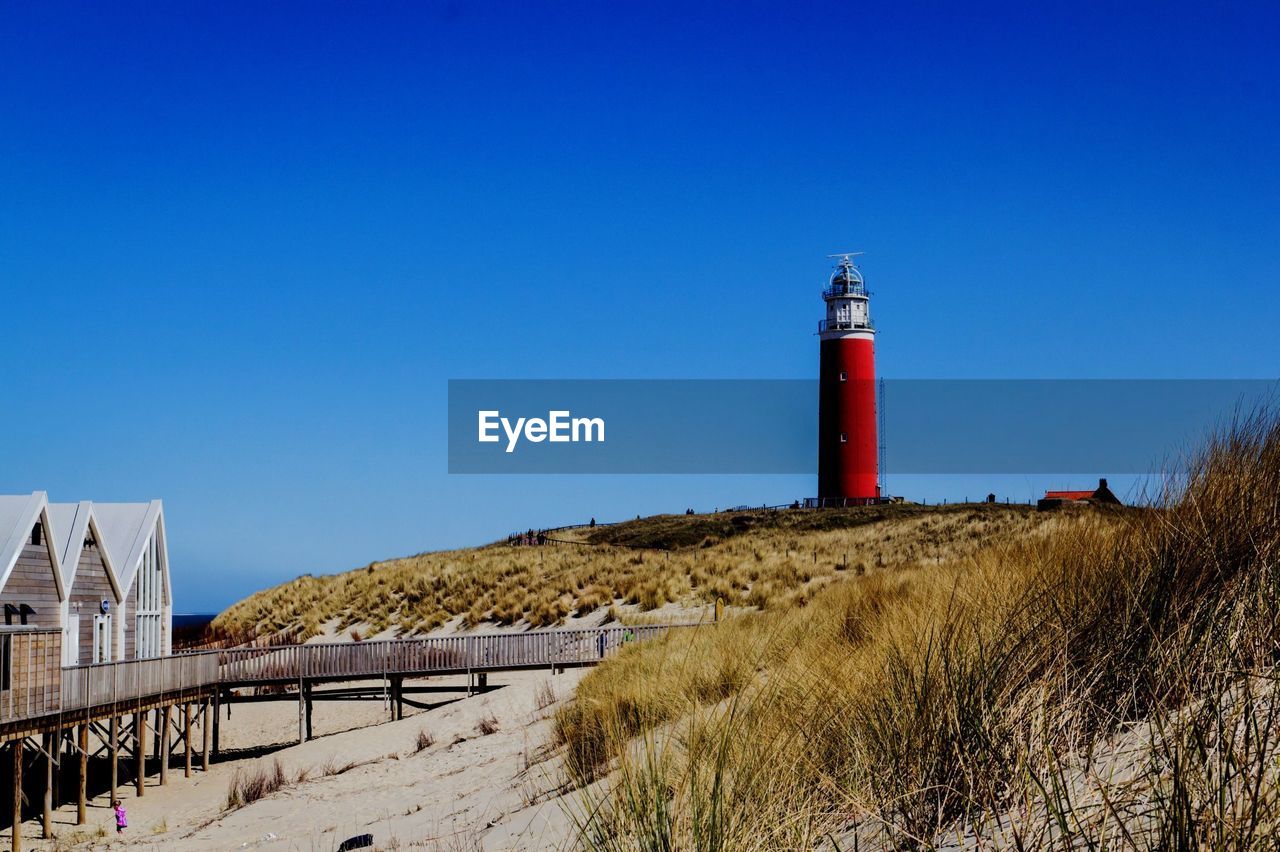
point(931, 426)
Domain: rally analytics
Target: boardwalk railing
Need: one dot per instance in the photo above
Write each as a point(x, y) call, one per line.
point(442, 654)
point(129, 681)
point(132, 680)
point(29, 682)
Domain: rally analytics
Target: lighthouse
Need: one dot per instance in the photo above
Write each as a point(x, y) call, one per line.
point(847, 445)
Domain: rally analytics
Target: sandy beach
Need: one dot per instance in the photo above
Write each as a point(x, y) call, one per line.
point(468, 790)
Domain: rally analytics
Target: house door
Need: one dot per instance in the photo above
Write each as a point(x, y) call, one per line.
point(102, 638)
point(72, 639)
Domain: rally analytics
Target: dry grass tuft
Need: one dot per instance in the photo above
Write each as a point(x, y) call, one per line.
point(423, 741)
point(544, 696)
point(248, 785)
point(332, 766)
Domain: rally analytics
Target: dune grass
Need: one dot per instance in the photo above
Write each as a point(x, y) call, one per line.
point(1103, 683)
point(258, 781)
point(758, 559)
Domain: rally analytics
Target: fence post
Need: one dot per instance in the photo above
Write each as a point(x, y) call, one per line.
point(466, 652)
point(302, 707)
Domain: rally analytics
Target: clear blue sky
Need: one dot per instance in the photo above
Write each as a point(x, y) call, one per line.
point(243, 248)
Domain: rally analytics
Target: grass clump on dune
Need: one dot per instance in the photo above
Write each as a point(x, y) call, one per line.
point(1107, 680)
point(259, 781)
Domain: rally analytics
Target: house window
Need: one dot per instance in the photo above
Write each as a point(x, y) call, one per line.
point(150, 591)
point(844, 437)
point(844, 377)
point(37, 534)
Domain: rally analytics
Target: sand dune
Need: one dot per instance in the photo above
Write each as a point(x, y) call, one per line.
point(467, 791)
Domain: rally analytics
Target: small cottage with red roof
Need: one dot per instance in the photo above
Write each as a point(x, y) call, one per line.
point(1102, 495)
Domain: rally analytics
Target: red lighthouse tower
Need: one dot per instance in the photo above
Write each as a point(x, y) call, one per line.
point(847, 392)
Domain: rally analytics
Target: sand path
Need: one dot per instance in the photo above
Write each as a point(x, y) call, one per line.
point(466, 791)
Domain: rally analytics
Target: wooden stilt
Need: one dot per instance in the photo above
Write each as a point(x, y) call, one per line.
point(16, 748)
point(186, 737)
point(307, 689)
point(165, 739)
point(50, 744)
point(204, 736)
point(82, 781)
point(140, 751)
point(114, 747)
point(217, 715)
point(302, 711)
point(58, 748)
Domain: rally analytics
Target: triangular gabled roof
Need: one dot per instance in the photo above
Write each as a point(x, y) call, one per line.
point(125, 529)
point(72, 523)
point(18, 514)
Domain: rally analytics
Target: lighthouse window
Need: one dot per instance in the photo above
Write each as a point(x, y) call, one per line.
point(844, 377)
point(844, 437)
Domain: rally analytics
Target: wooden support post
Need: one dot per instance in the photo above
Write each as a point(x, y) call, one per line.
point(82, 776)
point(16, 747)
point(58, 745)
point(186, 737)
point(140, 750)
point(302, 710)
point(165, 739)
point(310, 705)
point(204, 736)
point(217, 714)
point(114, 747)
point(50, 744)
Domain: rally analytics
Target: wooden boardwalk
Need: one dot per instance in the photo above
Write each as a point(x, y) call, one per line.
point(479, 652)
point(120, 686)
point(46, 711)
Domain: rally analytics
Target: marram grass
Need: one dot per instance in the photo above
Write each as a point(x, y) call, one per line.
point(756, 559)
point(1103, 681)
